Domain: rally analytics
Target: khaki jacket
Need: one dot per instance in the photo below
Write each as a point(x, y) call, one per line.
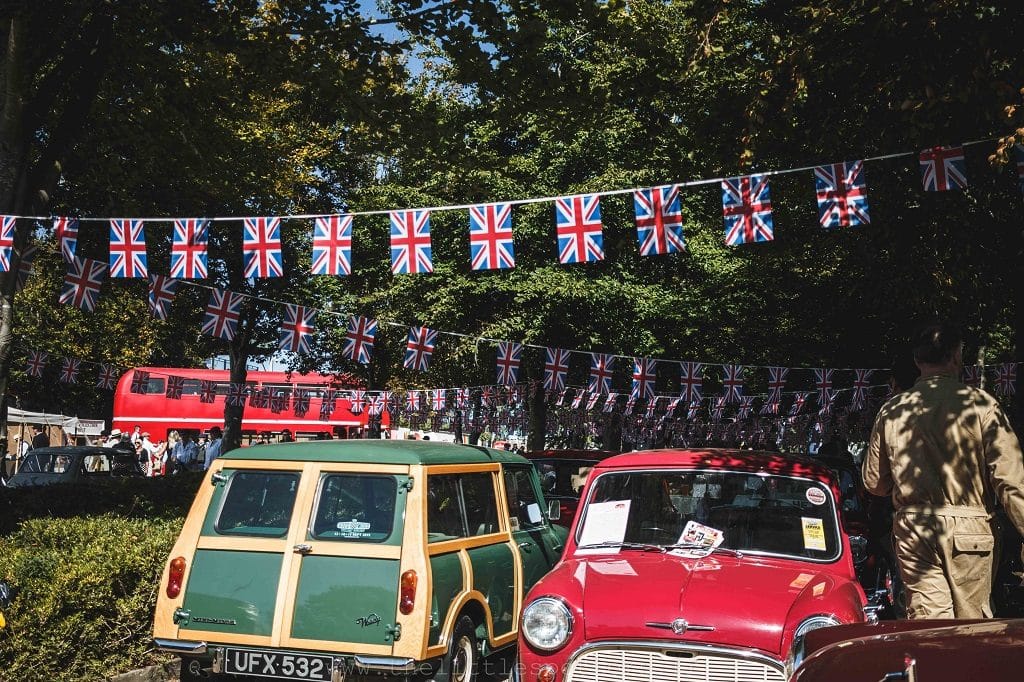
point(944, 444)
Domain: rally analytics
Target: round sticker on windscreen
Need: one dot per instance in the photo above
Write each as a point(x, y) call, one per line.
point(816, 496)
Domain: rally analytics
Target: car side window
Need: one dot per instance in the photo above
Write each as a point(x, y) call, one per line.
point(524, 508)
point(258, 503)
point(444, 514)
point(481, 505)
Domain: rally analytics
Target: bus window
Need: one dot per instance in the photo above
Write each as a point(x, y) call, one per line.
point(155, 385)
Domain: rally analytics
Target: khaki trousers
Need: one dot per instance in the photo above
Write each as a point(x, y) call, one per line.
point(946, 564)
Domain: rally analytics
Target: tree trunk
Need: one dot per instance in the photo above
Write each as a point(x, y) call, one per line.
point(538, 417)
point(238, 354)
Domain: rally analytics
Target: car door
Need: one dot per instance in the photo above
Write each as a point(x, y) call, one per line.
point(538, 543)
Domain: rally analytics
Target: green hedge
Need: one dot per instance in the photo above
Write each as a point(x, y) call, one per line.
point(85, 561)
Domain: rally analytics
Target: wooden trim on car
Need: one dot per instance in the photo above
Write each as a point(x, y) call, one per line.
point(438, 469)
point(284, 608)
point(354, 549)
point(249, 543)
point(227, 638)
point(416, 625)
point(265, 464)
point(344, 647)
point(448, 546)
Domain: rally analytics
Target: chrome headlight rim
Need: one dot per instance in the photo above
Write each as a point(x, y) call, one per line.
point(796, 649)
point(561, 609)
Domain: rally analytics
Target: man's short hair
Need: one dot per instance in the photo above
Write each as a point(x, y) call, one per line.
point(215, 431)
point(936, 343)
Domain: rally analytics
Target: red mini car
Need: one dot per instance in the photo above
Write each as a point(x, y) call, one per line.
point(692, 565)
point(562, 475)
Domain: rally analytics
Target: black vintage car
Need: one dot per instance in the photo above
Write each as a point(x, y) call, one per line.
point(46, 466)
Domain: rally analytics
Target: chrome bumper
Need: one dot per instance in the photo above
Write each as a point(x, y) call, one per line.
point(177, 646)
point(381, 664)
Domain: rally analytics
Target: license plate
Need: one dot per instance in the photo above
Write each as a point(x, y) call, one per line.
point(277, 664)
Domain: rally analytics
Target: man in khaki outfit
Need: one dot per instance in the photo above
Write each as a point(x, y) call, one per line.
point(945, 452)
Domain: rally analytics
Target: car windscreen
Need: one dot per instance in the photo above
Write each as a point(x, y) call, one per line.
point(258, 503)
point(355, 508)
point(563, 478)
point(45, 463)
point(752, 512)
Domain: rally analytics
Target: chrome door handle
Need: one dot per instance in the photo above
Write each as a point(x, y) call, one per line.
point(526, 546)
point(302, 549)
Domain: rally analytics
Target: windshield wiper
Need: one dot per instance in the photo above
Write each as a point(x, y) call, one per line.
point(623, 545)
point(692, 545)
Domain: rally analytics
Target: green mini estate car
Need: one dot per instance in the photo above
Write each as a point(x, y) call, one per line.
point(332, 560)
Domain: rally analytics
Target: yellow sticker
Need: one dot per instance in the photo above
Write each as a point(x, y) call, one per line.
point(814, 533)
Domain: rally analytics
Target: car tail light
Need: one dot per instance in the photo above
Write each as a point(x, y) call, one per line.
point(407, 593)
point(175, 577)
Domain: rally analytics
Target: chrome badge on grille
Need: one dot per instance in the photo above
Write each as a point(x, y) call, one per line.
point(680, 626)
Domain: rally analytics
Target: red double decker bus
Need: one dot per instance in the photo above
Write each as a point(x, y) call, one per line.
point(157, 414)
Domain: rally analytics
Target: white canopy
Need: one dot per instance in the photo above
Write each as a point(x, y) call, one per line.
point(73, 426)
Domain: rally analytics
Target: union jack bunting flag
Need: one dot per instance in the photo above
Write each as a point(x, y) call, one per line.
point(578, 225)
point(1006, 378)
point(82, 283)
point(659, 221)
point(670, 411)
point(278, 402)
point(693, 409)
point(438, 398)
point(261, 247)
point(332, 245)
point(861, 377)
point(7, 224)
point(509, 357)
point(770, 407)
point(326, 410)
point(578, 400)
point(556, 365)
point(378, 402)
point(972, 375)
point(592, 400)
point(652, 407)
point(260, 398)
point(127, 249)
point(419, 347)
point(237, 394)
point(296, 329)
point(601, 366)
point(161, 295)
point(207, 391)
point(629, 406)
point(328, 401)
point(691, 379)
point(562, 396)
point(487, 397)
point(175, 387)
point(490, 237)
point(827, 400)
point(359, 339)
point(461, 398)
point(188, 249)
point(69, 370)
point(223, 312)
point(412, 401)
point(107, 377)
point(823, 380)
point(410, 243)
point(747, 207)
point(842, 194)
point(719, 409)
point(943, 168)
point(357, 401)
point(25, 260)
point(610, 402)
point(732, 383)
point(746, 407)
point(1018, 152)
point(798, 402)
point(140, 382)
point(300, 404)
point(65, 230)
point(643, 378)
point(36, 363)
point(776, 382)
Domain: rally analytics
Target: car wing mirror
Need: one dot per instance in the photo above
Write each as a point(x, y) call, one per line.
point(554, 510)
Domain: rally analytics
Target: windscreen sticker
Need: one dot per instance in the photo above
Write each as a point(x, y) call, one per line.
point(704, 538)
point(814, 533)
point(605, 522)
point(353, 529)
point(816, 496)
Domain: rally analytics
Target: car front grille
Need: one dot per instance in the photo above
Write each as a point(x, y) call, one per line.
point(662, 665)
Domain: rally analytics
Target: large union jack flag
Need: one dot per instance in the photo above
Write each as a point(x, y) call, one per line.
point(601, 366)
point(509, 358)
point(556, 365)
point(36, 363)
point(188, 249)
point(223, 312)
point(943, 168)
point(747, 207)
point(207, 391)
point(1006, 378)
point(578, 225)
point(691, 380)
point(332, 245)
point(643, 378)
point(410, 242)
point(175, 387)
point(7, 225)
point(861, 379)
point(127, 249)
point(65, 231)
point(107, 376)
point(25, 259)
point(140, 382)
point(823, 380)
point(359, 339)
point(69, 370)
point(776, 382)
point(419, 347)
point(490, 237)
point(161, 295)
point(82, 283)
point(732, 383)
point(261, 247)
point(842, 194)
point(659, 221)
point(296, 329)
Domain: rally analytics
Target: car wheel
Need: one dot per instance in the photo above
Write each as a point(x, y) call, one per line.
point(463, 658)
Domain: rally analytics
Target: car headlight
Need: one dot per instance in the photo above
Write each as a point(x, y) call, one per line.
point(796, 649)
point(547, 623)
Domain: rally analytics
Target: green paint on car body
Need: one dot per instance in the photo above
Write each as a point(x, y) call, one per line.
point(446, 583)
point(494, 577)
point(228, 591)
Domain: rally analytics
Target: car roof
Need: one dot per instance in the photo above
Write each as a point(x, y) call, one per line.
point(751, 461)
point(371, 451)
point(586, 455)
point(69, 450)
